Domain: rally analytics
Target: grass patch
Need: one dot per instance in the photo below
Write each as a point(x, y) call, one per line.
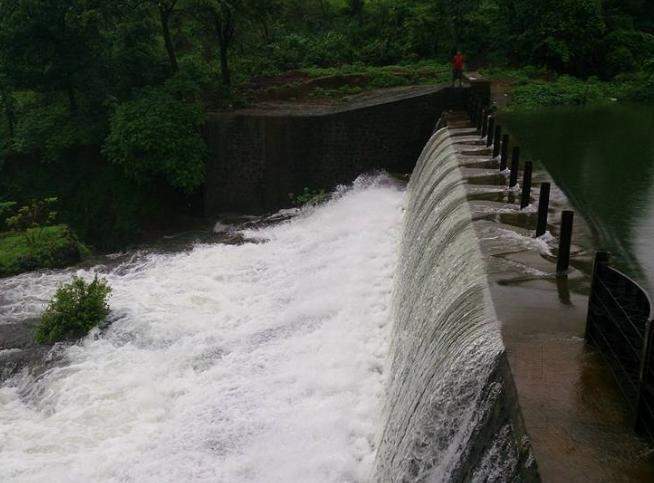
point(532, 88)
point(389, 75)
point(564, 91)
point(337, 83)
point(51, 247)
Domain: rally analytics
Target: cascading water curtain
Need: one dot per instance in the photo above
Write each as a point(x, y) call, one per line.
point(448, 373)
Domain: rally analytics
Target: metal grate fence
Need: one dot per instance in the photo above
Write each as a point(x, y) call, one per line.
point(619, 325)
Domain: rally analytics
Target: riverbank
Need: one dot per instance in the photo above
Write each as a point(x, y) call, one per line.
point(530, 88)
point(39, 248)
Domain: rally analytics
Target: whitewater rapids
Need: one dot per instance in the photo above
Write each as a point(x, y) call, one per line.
point(258, 362)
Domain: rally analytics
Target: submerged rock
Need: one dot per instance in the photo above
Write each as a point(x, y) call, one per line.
point(18, 350)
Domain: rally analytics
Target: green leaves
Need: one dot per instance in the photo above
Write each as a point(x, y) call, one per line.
point(31, 219)
point(76, 308)
point(564, 91)
point(309, 197)
point(157, 135)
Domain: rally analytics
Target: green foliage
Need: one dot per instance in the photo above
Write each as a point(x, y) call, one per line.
point(46, 128)
point(75, 309)
point(136, 77)
point(52, 247)
point(32, 219)
point(565, 90)
point(309, 197)
point(6, 208)
point(157, 134)
point(638, 88)
point(194, 77)
point(52, 45)
point(531, 89)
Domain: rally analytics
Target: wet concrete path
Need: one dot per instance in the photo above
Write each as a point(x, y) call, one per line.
point(575, 415)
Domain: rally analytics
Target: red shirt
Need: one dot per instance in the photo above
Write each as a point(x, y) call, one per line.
point(457, 63)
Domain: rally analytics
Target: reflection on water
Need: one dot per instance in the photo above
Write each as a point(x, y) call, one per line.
point(603, 158)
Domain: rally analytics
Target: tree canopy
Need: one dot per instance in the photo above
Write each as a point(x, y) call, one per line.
point(80, 59)
point(130, 75)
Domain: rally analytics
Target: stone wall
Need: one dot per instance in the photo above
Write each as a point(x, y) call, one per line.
point(258, 157)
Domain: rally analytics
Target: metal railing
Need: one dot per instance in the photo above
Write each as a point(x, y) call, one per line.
point(620, 314)
point(619, 324)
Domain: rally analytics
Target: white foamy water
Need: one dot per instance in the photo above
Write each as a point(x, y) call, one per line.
point(259, 362)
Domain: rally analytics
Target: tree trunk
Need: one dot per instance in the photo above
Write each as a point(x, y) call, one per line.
point(356, 9)
point(170, 48)
point(72, 100)
point(224, 65)
point(224, 25)
point(265, 28)
point(10, 114)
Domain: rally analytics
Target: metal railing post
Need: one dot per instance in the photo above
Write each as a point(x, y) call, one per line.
point(543, 208)
point(497, 141)
point(504, 154)
point(565, 240)
point(515, 167)
point(600, 258)
point(525, 199)
point(490, 132)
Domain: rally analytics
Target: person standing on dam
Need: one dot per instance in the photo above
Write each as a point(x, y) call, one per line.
point(457, 68)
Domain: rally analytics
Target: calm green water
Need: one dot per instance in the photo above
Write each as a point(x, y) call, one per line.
point(603, 158)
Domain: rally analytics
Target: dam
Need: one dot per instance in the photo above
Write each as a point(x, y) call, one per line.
point(363, 339)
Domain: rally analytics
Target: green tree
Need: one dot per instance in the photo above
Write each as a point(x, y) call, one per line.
point(165, 10)
point(157, 135)
point(221, 16)
point(7, 103)
point(355, 9)
point(52, 46)
point(565, 35)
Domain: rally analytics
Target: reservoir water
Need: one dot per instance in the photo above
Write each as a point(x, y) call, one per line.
point(603, 158)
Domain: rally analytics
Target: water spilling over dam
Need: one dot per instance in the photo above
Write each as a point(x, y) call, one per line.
point(258, 362)
point(356, 341)
point(450, 413)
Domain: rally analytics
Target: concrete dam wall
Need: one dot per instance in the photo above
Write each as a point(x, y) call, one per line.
point(451, 411)
point(258, 157)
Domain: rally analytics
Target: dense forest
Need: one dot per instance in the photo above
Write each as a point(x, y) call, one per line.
point(103, 102)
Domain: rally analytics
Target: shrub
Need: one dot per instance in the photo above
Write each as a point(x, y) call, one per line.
point(45, 127)
point(619, 60)
point(565, 91)
point(643, 90)
point(158, 135)
point(6, 208)
point(53, 247)
point(32, 218)
point(309, 197)
point(74, 310)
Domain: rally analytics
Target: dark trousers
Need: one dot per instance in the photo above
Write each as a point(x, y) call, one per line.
point(457, 74)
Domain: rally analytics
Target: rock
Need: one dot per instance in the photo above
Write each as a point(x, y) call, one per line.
point(18, 349)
